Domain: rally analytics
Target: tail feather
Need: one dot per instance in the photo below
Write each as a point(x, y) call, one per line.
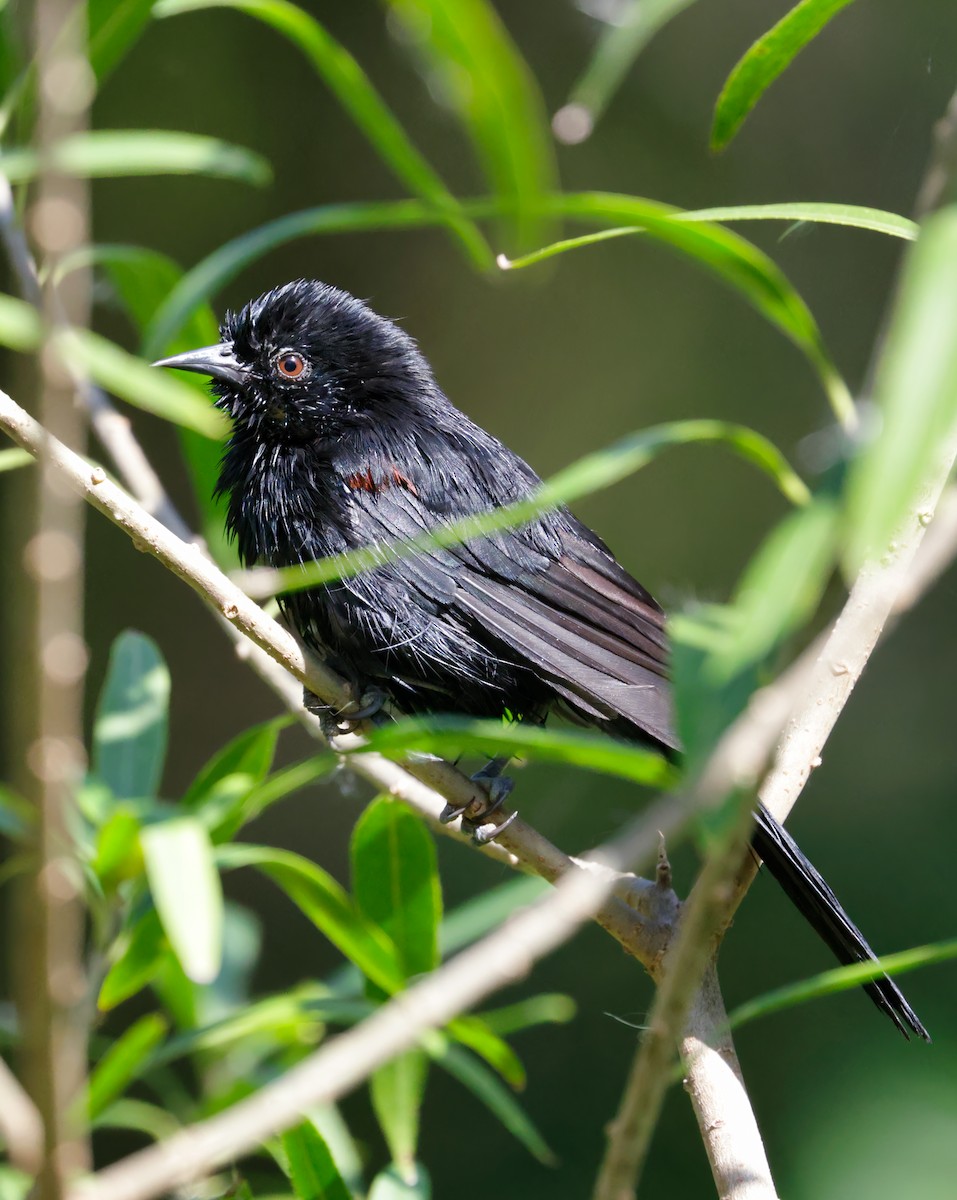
point(811, 895)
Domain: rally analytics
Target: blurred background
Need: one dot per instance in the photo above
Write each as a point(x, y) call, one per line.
point(558, 360)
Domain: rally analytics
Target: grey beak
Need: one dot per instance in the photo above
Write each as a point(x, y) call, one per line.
point(218, 361)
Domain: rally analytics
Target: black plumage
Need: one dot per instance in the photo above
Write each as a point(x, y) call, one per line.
point(342, 439)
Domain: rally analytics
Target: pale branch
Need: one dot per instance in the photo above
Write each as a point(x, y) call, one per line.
point(20, 1123)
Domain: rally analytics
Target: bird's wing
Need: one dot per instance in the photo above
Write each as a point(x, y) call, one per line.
point(553, 597)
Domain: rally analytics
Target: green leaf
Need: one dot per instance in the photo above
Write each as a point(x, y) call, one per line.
point(842, 979)
point(139, 1116)
point(390, 1184)
point(120, 1065)
point(187, 893)
point(137, 956)
point(544, 1009)
point(233, 805)
point(326, 904)
point(916, 395)
point(117, 856)
point(619, 45)
point(11, 459)
point(248, 756)
point(490, 86)
point(110, 153)
point(487, 910)
point(397, 1089)
point(114, 369)
point(395, 881)
point(486, 1087)
point(312, 1169)
point(854, 216)
point(114, 26)
point(130, 727)
point(17, 816)
point(591, 473)
point(765, 61)
point(456, 735)
point(355, 92)
point(733, 259)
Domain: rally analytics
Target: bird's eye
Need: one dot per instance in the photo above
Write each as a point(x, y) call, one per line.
point(290, 365)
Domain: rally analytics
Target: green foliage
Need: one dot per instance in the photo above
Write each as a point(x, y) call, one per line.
point(764, 62)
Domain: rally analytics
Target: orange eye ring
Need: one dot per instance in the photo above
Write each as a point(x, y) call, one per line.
point(290, 365)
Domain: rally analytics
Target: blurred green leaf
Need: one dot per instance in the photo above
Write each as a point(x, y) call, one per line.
point(739, 263)
point(355, 92)
point(130, 727)
point(842, 979)
point(619, 45)
point(916, 396)
point(591, 473)
point(765, 61)
point(110, 153)
point(490, 86)
point(136, 957)
point(138, 1116)
point(395, 881)
point(229, 808)
point(120, 1064)
point(391, 1185)
point(19, 324)
point(473, 1032)
point(544, 1009)
point(486, 1087)
point(312, 1169)
point(187, 893)
point(326, 904)
point(487, 910)
point(331, 1126)
point(11, 459)
point(451, 736)
point(397, 1089)
point(114, 27)
point(117, 855)
point(16, 815)
point(248, 756)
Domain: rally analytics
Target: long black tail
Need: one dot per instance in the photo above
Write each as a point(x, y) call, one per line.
point(822, 910)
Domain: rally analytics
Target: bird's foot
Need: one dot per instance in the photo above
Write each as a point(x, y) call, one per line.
point(497, 787)
point(336, 722)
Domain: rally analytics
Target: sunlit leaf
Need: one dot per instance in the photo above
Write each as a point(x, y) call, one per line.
point(120, 1064)
point(916, 395)
point(390, 1184)
point(765, 61)
point(397, 1089)
point(139, 1116)
point(11, 459)
point(591, 473)
point(120, 152)
point(312, 1169)
point(544, 1009)
point(117, 855)
point(618, 47)
point(136, 958)
point(355, 92)
point(854, 216)
point(451, 736)
point(114, 26)
point(487, 82)
point(842, 979)
point(187, 893)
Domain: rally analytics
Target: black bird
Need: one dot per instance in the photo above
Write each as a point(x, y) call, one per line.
point(342, 439)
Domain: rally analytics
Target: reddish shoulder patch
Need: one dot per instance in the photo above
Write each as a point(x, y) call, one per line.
point(365, 481)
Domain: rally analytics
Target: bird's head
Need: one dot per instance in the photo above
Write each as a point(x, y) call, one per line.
point(307, 360)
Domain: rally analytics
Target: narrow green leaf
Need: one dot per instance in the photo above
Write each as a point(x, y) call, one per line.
point(490, 86)
point(326, 904)
point(916, 395)
point(130, 727)
point(232, 805)
point(473, 1032)
point(765, 61)
point(114, 27)
point(854, 216)
point(138, 1116)
point(120, 1065)
point(355, 92)
point(11, 459)
point(250, 756)
point(544, 1009)
point(187, 892)
point(19, 324)
point(842, 979)
point(456, 735)
point(487, 910)
point(619, 45)
point(137, 956)
point(484, 1085)
point(588, 475)
point(733, 259)
point(110, 153)
point(397, 1090)
point(390, 1184)
point(312, 1169)
point(395, 881)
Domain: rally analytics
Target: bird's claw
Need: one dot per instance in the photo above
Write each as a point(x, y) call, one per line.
point(338, 721)
point(497, 788)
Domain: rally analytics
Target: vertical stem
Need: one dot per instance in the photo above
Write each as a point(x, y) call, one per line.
point(51, 976)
